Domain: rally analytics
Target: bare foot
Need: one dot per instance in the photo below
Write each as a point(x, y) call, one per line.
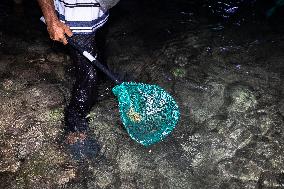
point(81, 146)
point(73, 137)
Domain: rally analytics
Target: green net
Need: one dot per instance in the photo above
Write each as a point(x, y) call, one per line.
point(148, 112)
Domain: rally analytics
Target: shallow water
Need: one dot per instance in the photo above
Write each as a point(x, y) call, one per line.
point(221, 60)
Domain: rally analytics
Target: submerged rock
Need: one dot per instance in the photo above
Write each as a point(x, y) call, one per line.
point(228, 84)
point(241, 97)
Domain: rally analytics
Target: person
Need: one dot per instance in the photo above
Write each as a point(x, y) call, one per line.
point(79, 20)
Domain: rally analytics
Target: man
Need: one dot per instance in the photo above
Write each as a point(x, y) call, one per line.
point(79, 19)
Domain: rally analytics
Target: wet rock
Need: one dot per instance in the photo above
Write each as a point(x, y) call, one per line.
point(203, 103)
point(104, 175)
point(127, 64)
point(127, 185)
point(271, 180)
point(54, 115)
point(230, 54)
point(175, 178)
point(60, 74)
point(43, 96)
point(46, 169)
point(38, 46)
point(7, 84)
point(16, 46)
point(281, 107)
point(9, 161)
point(244, 170)
point(9, 118)
point(227, 83)
point(4, 62)
point(76, 186)
point(30, 142)
point(56, 57)
point(179, 72)
point(150, 178)
point(128, 161)
point(242, 98)
point(66, 176)
point(265, 123)
point(106, 131)
point(105, 180)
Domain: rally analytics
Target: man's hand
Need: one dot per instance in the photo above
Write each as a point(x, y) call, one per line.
point(57, 31)
point(55, 28)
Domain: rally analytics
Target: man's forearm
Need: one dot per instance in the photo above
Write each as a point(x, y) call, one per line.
point(55, 27)
point(48, 10)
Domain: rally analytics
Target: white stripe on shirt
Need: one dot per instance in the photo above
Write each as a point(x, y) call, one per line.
point(82, 16)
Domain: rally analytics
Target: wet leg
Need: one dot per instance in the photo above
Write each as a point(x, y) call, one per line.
point(84, 89)
point(82, 99)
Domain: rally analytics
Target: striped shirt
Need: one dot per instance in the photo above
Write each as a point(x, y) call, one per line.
point(82, 16)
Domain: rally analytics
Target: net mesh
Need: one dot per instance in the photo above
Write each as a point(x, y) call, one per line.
point(148, 112)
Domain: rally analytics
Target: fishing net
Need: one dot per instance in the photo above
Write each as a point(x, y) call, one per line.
point(148, 112)
point(107, 4)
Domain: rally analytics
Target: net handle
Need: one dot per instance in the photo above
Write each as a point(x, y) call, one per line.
point(93, 59)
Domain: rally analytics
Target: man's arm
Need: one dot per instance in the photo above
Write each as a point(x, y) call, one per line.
point(55, 27)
